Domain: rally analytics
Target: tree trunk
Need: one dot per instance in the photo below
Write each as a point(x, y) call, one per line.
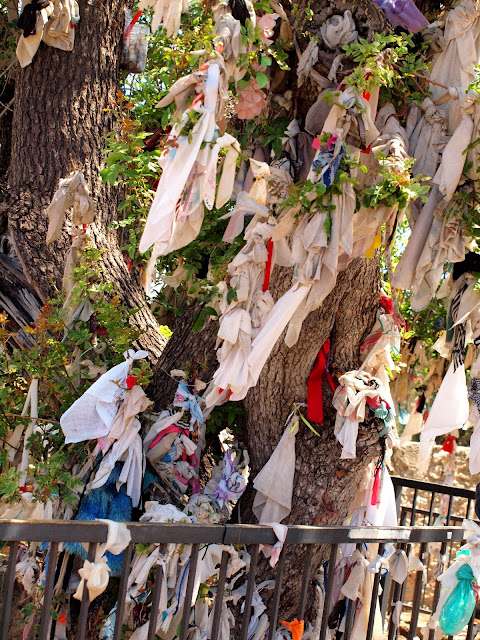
point(321, 478)
point(62, 103)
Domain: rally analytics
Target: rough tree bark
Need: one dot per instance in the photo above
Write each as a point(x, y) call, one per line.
point(62, 103)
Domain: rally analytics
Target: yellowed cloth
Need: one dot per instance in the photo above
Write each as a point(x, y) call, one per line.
point(71, 193)
point(55, 26)
point(59, 31)
point(28, 47)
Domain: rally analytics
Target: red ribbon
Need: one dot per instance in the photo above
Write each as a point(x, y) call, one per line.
point(387, 305)
point(171, 429)
point(449, 444)
point(376, 488)
point(268, 266)
point(128, 30)
point(371, 340)
point(315, 392)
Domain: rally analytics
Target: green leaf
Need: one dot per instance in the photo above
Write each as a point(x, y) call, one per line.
point(210, 311)
point(266, 61)
point(262, 79)
point(308, 424)
point(199, 321)
point(277, 147)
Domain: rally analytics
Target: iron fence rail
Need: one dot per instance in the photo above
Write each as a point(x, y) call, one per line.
point(410, 537)
point(94, 533)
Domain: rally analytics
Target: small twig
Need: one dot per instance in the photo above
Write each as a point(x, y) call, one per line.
point(417, 84)
point(7, 107)
point(18, 415)
point(7, 69)
point(437, 84)
point(419, 75)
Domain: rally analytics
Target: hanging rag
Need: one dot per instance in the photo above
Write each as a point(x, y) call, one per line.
point(455, 65)
point(315, 391)
point(273, 551)
point(307, 60)
point(92, 415)
point(403, 13)
point(449, 411)
point(71, 193)
point(95, 574)
point(451, 168)
point(59, 31)
point(339, 30)
point(274, 483)
point(29, 41)
point(166, 12)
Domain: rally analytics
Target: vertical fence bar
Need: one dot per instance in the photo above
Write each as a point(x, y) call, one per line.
point(249, 594)
point(157, 592)
point(349, 619)
point(7, 594)
point(373, 604)
point(328, 591)
point(350, 611)
point(417, 596)
point(386, 589)
point(280, 568)
point(430, 518)
point(48, 592)
point(414, 507)
point(397, 589)
point(398, 498)
point(443, 550)
point(469, 504)
point(447, 522)
point(122, 592)
point(219, 597)
point(83, 615)
point(188, 595)
point(305, 582)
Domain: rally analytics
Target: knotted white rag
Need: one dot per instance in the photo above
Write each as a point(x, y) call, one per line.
point(96, 574)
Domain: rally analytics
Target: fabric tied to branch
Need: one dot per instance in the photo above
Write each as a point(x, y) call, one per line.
point(315, 391)
point(93, 414)
point(72, 193)
point(449, 410)
point(274, 483)
point(186, 400)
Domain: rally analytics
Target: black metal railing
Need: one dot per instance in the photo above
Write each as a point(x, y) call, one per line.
point(416, 536)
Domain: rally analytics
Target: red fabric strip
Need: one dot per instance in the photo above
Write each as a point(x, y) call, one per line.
point(128, 30)
point(376, 488)
point(268, 266)
point(371, 340)
point(315, 392)
point(171, 429)
point(449, 444)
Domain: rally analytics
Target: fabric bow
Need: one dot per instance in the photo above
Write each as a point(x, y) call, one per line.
point(96, 574)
